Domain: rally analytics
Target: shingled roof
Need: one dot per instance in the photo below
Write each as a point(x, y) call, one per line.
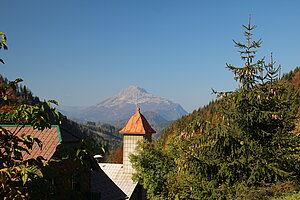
point(112, 182)
point(137, 124)
point(50, 138)
point(123, 180)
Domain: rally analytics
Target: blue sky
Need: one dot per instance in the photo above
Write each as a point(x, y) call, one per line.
point(82, 52)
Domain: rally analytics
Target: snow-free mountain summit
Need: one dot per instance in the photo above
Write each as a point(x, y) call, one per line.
point(122, 105)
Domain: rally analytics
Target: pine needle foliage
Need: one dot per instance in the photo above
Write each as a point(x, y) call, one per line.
point(273, 73)
point(246, 140)
point(248, 74)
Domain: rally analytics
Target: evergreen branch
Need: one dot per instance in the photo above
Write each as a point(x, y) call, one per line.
point(245, 27)
point(240, 45)
point(253, 27)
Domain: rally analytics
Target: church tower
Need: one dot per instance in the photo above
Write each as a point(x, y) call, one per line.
point(136, 129)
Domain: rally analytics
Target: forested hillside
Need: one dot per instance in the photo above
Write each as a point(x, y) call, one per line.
point(103, 133)
point(21, 94)
point(244, 145)
point(291, 81)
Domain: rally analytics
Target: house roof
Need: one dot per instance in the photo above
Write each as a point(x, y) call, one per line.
point(101, 182)
point(123, 180)
point(137, 124)
point(49, 137)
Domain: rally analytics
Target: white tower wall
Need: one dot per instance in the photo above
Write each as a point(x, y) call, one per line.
point(130, 144)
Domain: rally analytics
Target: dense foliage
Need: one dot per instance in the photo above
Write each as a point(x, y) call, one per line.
point(20, 94)
point(234, 145)
point(16, 174)
point(14, 170)
point(33, 178)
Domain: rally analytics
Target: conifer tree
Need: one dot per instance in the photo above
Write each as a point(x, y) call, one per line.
point(254, 142)
point(273, 73)
point(250, 72)
point(244, 141)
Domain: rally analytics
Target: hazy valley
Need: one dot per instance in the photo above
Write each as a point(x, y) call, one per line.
point(116, 110)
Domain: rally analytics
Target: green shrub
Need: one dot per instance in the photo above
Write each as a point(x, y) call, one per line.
point(295, 196)
point(267, 191)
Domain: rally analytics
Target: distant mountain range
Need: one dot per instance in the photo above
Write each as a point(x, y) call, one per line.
point(103, 133)
point(122, 106)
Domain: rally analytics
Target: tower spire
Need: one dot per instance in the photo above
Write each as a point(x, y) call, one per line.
point(136, 129)
point(137, 99)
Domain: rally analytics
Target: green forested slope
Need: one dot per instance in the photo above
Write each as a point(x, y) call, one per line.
point(291, 81)
point(103, 133)
point(244, 145)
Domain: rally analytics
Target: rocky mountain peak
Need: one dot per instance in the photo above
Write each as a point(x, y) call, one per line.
point(133, 95)
point(133, 90)
point(123, 105)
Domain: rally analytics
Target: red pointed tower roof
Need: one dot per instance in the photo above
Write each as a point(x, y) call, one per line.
point(137, 124)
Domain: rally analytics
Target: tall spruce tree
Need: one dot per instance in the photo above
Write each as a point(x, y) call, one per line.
point(253, 142)
point(246, 139)
point(252, 70)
